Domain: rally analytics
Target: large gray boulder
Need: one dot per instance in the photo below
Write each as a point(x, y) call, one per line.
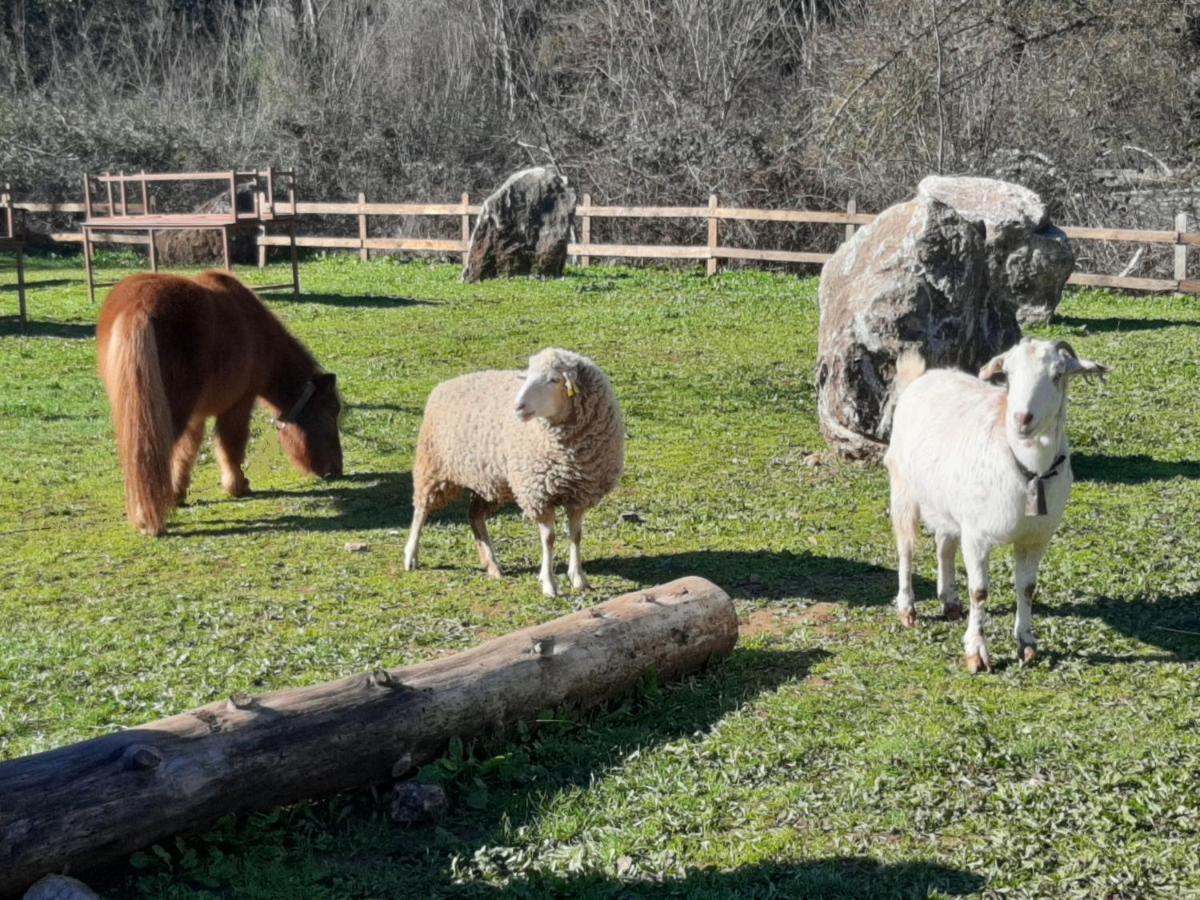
point(523, 228)
point(1029, 260)
point(918, 276)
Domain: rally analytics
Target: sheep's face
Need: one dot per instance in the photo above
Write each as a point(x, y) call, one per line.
point(549, 384)
point(1036, 374)
point(309, 435)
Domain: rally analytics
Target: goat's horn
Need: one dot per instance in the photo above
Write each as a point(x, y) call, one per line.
point(1063, 345)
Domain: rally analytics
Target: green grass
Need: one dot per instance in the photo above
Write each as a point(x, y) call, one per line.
point(834, 754)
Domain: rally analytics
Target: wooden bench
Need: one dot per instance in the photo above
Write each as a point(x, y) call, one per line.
point(12, 242)
point(111, 210)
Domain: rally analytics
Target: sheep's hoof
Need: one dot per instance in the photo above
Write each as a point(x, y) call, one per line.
point(493, 571)
point(1028, 653)
point(952, 612)
point(908, 616)
point(549, 589)
point(410, 564)
point(581, 584)
point(977, 663)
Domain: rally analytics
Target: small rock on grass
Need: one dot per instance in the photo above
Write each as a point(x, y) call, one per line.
point(357, 547)
point(60, 887)
point(813, 460)
point(414, 803)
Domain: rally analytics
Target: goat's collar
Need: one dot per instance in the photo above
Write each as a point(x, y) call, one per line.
point(1035, 484)
point(297, 407)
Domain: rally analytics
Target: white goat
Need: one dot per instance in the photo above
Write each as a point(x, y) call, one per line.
point(983, 465)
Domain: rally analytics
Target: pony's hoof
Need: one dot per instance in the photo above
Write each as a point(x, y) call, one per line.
point(952, 612)
point(1028, 653)
point(908, 617)
point(977, 663)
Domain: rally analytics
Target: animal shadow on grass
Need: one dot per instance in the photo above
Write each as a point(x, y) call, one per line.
point(1136, 469)
point(363, 501)
point(11, 326)
point(1170, 623)
point(764, 574)
point(354, 301)
point(1118, 323)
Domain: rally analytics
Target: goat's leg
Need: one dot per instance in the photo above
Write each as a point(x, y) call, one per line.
point(478, 515)
point(575, 531)
point(947, 550)
point(545, 523)
point(905, 524)
point(976, 554)
point(1026, 560)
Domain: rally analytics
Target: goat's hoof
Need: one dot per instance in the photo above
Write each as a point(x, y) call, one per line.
point(410, 564)
point(977, 664)
point(952, 612)
point(549, 589)
point(581, 584)
point(908, 617)
point(1028, 653)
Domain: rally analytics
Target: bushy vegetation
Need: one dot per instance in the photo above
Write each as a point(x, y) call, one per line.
point(833, 755)
point(777, 103)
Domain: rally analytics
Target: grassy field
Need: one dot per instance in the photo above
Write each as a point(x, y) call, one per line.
point(834, 754)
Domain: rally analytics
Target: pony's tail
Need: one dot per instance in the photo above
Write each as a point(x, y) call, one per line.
point(909, 367)
point(142, 420)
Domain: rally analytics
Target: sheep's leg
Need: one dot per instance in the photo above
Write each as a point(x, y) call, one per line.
point(477, 515)
point(420, 514)
point(976, 554)
point(905, 524)
point(1026, 560)
point(545, 523)
point(575, 530)
point(947, 549)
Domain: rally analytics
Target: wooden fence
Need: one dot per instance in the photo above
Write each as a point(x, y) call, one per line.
point(711, 252)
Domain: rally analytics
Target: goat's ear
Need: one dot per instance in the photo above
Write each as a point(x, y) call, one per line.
point(994, 369)
point(1077, 366)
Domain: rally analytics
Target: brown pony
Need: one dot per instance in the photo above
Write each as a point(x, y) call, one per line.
point(174, 351)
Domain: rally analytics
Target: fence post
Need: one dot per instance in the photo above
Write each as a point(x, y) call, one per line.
point(363, 253)
point(1180, 249)
point(851, 209)
point(711, 265)
point(585, 233)
point(466, 227)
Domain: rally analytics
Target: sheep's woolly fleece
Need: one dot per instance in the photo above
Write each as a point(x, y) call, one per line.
point(471, 438)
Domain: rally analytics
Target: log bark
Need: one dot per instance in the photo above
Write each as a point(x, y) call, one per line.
point(79, 806)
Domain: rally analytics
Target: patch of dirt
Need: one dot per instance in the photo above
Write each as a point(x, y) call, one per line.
point(774, 621)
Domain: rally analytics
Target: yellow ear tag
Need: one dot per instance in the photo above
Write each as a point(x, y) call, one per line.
point(570, 387)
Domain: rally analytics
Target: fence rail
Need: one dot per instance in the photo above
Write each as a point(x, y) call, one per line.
point(712, 251)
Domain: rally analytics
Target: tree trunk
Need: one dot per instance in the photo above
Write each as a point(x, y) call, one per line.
point(97, 801)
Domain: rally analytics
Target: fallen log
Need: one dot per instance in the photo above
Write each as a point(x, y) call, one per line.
point(85, 804)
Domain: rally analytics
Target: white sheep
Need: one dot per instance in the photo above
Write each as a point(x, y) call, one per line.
point(983, 465)
point(547, 437)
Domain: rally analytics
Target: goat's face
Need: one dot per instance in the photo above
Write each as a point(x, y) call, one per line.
point(1036, 374)
point(551, 380)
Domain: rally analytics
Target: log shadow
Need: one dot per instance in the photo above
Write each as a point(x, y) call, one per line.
point(11, 326)
point(1120, 323)
point(363, 501)
point(825, 878)
point(1172, 624)
point(32, 284)
point(767, 574)
point(1136, 469)
point(567, 751)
